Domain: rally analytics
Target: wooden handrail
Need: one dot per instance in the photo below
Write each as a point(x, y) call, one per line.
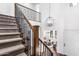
point(46, 46)
point(27, 21)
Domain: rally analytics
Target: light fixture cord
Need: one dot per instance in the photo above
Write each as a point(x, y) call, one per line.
point(49, 8)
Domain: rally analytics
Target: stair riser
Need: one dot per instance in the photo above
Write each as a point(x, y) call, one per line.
point(5, 17)
point(8, 20)
point(8, 23)
point(5, 45)
point(14, 53)
point(4, 26)
point(9, 37)
point(5, 21)
point(8, 31)
point(17, 52)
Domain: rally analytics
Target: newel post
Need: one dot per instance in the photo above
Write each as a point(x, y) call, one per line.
point(36, 39)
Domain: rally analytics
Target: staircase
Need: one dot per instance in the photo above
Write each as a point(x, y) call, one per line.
point(10, 40)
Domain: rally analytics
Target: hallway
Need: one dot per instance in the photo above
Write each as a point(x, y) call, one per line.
point(39, 29)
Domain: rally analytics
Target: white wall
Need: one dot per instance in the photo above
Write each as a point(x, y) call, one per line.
point(71, 31)
point(7, 9)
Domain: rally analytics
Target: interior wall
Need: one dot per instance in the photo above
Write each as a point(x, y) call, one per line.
point(71, 30)
point(7, 9)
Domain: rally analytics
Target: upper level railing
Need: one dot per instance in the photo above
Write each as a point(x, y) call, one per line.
point(30, 13)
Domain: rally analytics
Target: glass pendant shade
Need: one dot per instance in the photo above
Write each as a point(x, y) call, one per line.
point(49, 22)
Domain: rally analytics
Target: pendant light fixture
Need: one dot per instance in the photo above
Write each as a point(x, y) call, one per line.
point(49, 19)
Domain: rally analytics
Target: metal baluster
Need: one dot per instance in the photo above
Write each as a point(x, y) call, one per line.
point(44, 51)
point(40, 48)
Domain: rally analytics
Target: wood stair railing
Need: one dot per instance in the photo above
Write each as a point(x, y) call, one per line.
point(35, 30)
